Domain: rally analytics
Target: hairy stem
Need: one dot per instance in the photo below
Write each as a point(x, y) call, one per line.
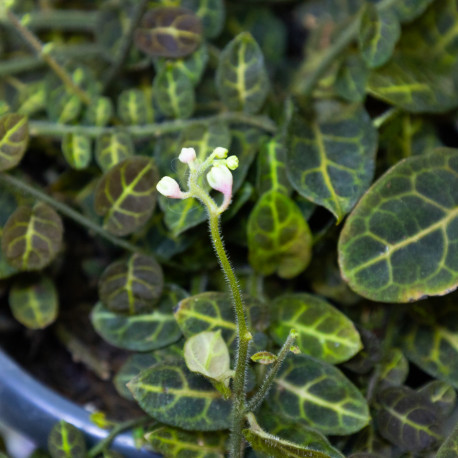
point(66, 210)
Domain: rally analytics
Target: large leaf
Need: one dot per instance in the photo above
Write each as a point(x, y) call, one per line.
point(399, 244)
point(241, 77)
point(331, 160)
point(126, 195)
point(113, 148)
point(34, 302)
point(169, 32)
point(14, 136)
point(140, 332)
point(441, 395)
point(66, 441)
point(77, 149)
point(279, 238)
point(173, 442)
point(323, 331)
point(173, 395)
point(319, 395)
point(449, 448)
point(131, 286)
point(32, 237)
point(212, 14)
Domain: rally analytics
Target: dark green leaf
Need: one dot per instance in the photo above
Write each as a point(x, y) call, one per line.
point(32, 237)
point(77, 149)
point(65, 441)
point(241, 77)
point(126, 195)
point(441, 395)
point(407, 419)
point(173, 442)
point(34, 302)
point(169, 32)
point(140, 332)
point(131, 286)
point(173, 395)
point(279, 239)
point(408, 10)
point(398, 245)
point(112, 148)
point(99, 112)
point(393, 368)
point(331, 160)
point(134, 108)
point(323, 331)
point(352, 78)
point(319, 395)
point(211, 12)
point(14, 136)
point(379, 31)
point(449, 448)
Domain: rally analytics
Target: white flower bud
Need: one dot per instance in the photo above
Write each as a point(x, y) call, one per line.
point(232, 162)
point(220, 152)
point(187, 155)
point(169, 187)
point(220, 179)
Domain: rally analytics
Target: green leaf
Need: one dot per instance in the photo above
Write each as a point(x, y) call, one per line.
point(331, 160)
point(140, 332)
point(113, 148)
point(393, 368)
point(126, 195)
point(173, 442)
point(131, 286)
point(134, 107)
point(34, 302)
point(99, 112)
point(77, 149)
point(264, 357)
point(319, 395)
point(398, 245)
point(279, 239)
point(323, 331)
point(32, 237)
point(65, 441)
point(408, 10)
point(352, 78)
point(212, 14)
point(174, 92)
point(241, 77)
point(14, 137)
point(173, 395)
point(441, 395)
point(378, 33)
point(407, 419)
point(449, 448)
point(169, 32)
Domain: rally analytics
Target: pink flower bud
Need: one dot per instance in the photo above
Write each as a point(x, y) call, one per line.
point(187, 155)
point(169, 187)
point(220, 178)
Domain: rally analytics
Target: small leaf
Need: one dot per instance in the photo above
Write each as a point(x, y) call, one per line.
point(211, 12)
point(169, 32)
point(34, 302)
point(398, 243)
point(140, 332)
point(441, 395)
point(331, 161)
point(319, 395)
point(379, 31)
point(134, 108)
point(173, 442)
point(14, 137)
point(279, 239)
point(126, 195)
point(449, 449)
point(323, 331)
point(352, 78)
point(113, 148)
point(77, 150)
point(408, 10)
point(99, 112)
point(241, 78)
point(407, 419)
point(32, 237)
point(173, 395)
point(65, 441)
point(264, 357)
point(393, 368)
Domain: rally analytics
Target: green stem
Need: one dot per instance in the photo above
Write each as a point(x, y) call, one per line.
point(257, 399)
point(67, 20)
point(67, 211)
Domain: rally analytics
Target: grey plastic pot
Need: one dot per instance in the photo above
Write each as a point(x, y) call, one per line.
point(31, 409)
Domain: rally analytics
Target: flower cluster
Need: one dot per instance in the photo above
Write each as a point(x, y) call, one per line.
point(219, 177)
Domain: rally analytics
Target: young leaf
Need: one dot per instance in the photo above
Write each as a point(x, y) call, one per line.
point(352, 78)
point(66, 441)
point(140, 332)
point(393, 368)
point(449, 449)
point(99, 112)
point(212, 14)
point(407, 419)
point(331, 161)
point(77, 150)
point(173, 395)
point(126, 195)
point(113, 148)
point(32, 237)
point(323, 331)
point(264, 357)
point(379, 31)
point(134, 108)
point(34, 302)
point(241, 78)
point(14, 137)
point(174, 92)
point(169, 32)
point(279, 239)
point(319, 395)
point(173, 442)
point(131, 286)
point(398, 245)
point(441, 395)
